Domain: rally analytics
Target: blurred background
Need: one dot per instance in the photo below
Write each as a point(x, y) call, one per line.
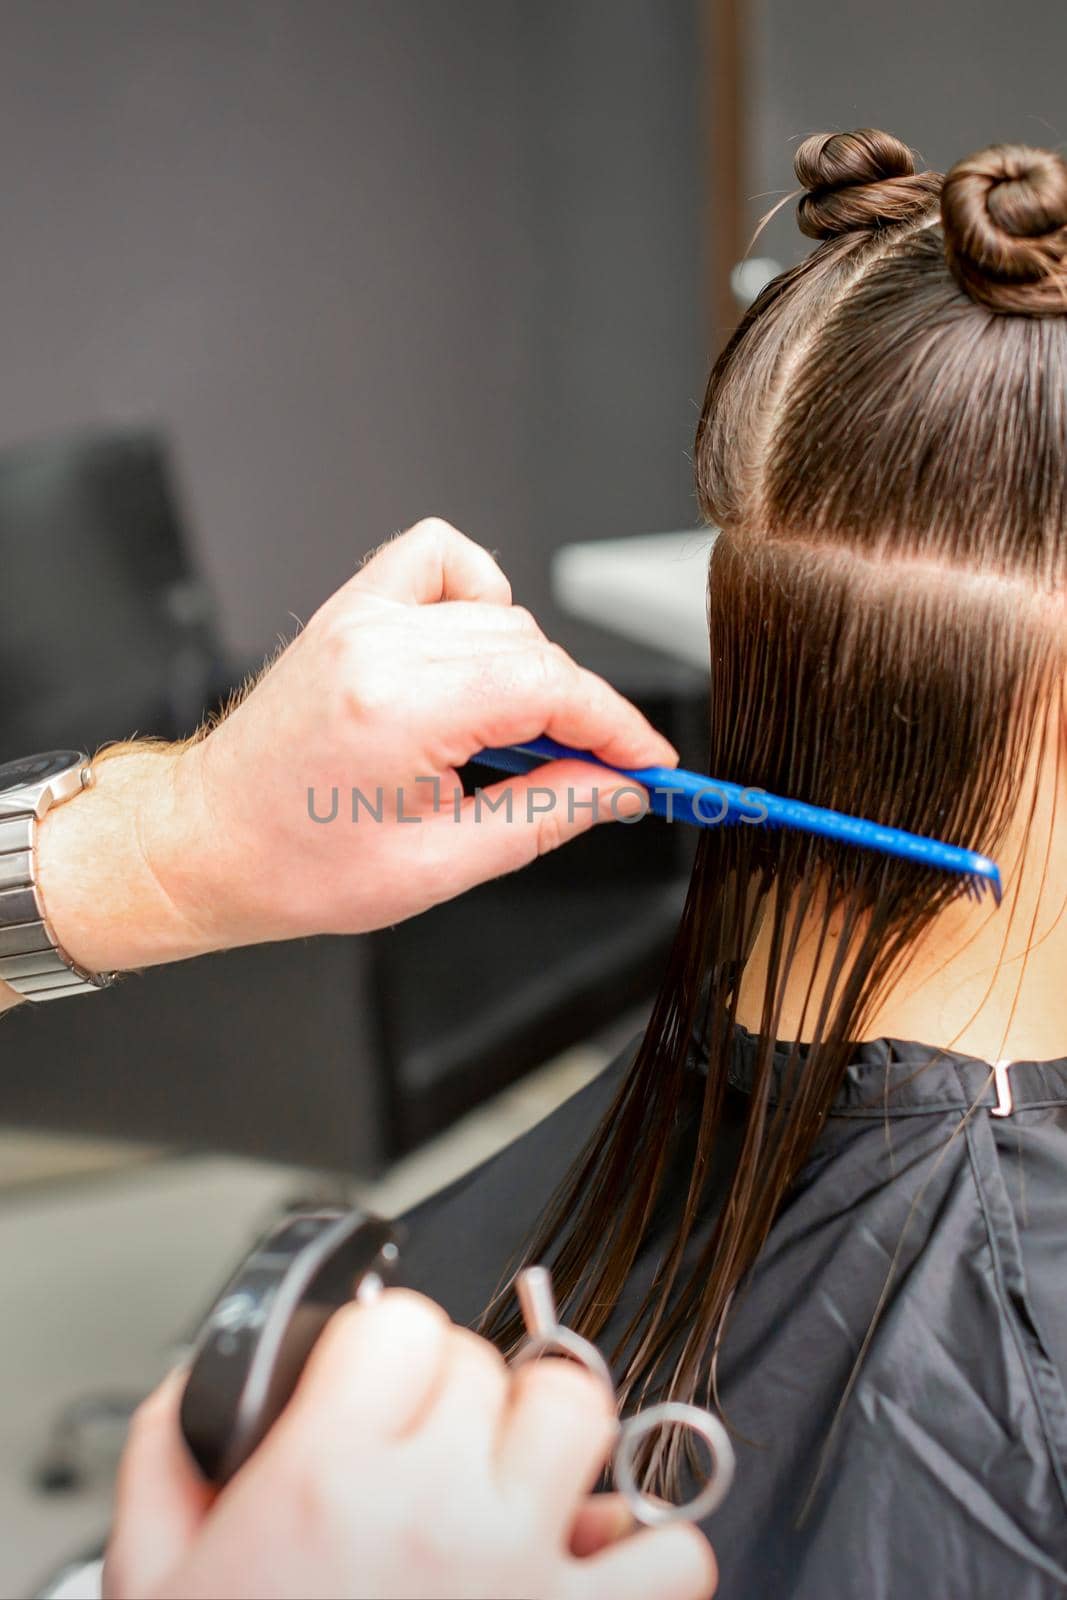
point(281, 277)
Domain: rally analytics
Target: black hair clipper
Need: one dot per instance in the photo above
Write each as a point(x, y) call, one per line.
point(256, 1340)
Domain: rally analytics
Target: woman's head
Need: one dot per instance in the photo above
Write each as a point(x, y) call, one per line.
point(883, 445)
point(902, 391)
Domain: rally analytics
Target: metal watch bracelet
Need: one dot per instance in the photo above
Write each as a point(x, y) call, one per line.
point(31, 960)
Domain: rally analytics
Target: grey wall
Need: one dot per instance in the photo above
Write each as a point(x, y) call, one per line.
point(946, 76)
point(364, 260)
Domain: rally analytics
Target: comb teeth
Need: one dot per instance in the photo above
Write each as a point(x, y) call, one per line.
point(684, 796)
point(976, 887)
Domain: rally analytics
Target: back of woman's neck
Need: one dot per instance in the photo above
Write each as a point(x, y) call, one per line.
point(989, 983)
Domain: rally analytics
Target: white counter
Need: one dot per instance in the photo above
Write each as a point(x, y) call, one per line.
point(651, 588)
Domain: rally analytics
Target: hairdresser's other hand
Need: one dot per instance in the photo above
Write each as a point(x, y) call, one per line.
point(418, 662)
point(409, 1464)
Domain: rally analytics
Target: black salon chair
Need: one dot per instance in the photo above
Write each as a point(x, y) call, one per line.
point(106, 628)
point(334, 1053)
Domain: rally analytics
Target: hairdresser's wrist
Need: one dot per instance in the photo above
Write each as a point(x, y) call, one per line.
point(109, 861)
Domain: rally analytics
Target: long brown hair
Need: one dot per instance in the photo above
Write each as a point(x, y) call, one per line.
point(883, 445)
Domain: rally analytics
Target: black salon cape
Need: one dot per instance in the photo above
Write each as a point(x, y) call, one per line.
point(939, 1468)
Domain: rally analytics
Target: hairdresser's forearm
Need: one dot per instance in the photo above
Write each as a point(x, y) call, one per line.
point(108, 861)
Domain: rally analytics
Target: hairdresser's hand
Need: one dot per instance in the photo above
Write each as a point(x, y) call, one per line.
point(409, 1463)
point(417, 663)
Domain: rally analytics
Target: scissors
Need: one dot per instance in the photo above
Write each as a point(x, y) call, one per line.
point(545, 1335)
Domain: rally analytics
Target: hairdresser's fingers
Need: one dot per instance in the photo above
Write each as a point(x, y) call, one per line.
point(603, 1519)
point(554, 1439)
point(466, 622)
point(160, 1499)
point(462, 630)
point(672, 1563)
point(509, 822)
point(375, 1369)
point(507, 697)
point(589, 714)
point(430, 562)
point(459, 1426)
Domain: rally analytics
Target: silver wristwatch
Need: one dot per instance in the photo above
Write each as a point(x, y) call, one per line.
point(31, 960)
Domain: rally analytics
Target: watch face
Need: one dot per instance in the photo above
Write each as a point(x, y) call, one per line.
point(37, 769)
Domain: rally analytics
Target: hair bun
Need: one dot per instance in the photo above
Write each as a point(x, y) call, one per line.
point(1004, 215)
point(857, 181)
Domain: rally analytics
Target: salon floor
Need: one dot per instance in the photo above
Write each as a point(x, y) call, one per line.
point(109, 1256)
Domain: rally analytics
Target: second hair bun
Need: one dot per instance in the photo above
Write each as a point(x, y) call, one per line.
point(1004, 214)
point(859, 181)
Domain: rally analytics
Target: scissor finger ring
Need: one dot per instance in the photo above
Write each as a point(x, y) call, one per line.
point(674, 1413)
point(547, 1336)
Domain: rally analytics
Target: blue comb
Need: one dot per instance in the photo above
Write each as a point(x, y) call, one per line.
point(682, 796)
